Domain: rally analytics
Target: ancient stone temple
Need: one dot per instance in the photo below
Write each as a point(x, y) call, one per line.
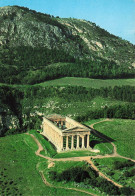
point(66, 133)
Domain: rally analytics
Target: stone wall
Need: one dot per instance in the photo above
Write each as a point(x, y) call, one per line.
point(53, 134)
point(72, 123)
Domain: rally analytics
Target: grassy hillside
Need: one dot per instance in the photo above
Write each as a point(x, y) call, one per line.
point(123, 134)
point(19, 173)
point(123, 175)
point(77, 81)
point(19, 169)
point(60, 167)
point(87, 82)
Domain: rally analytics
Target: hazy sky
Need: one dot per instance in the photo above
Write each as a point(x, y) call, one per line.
point(116, 16)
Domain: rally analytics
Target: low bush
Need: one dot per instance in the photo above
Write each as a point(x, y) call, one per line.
point(120, 165)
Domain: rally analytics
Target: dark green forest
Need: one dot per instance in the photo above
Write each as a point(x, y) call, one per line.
point(28, 65)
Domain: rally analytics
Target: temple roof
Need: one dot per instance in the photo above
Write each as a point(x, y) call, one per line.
point(74, 126)
point(55, 117)
point(76, 129)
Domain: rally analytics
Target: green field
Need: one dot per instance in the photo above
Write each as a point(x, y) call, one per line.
point(19, 171)
point(19, 166)
point(123, 132)
point(77, 81)
point(87, 82)
point(106, 165)
point(75, 154)
point(104, 147)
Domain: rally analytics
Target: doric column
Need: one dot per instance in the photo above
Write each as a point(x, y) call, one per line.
point(67, 143)
point(77, 141)
point(88, 140)
point(58, 123)
point(61, 124)
point(72, 143)
point(61, 143)
point(82, 141)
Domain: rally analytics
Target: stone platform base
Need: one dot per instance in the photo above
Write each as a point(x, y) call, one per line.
point(79, 149)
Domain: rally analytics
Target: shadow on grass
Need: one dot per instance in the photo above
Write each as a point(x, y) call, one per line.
point(99, 138)
point(102, 136)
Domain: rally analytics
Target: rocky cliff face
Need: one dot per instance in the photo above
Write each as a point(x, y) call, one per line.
point(101, 43)
point(22, 27)
point(10, 109)
point(80, 38)
point(8, 121)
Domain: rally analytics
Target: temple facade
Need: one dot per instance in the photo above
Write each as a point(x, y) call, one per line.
point(66, 133)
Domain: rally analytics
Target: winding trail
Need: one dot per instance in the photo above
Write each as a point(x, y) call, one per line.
point(61, 187)
point(114, 154)
point(102, 175)
point(114, 147)
point(92, 125)
point(88, 159)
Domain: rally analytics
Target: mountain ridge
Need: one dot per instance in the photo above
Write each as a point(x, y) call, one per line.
point(73, 27)
point(44, 39)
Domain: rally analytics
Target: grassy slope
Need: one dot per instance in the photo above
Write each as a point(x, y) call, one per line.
point(123, 132)
point(62, 166)
point(49, 149)
point(125, 147)
point(87, 82)
point(19, 173)
point(20, 165)
point(107, 167)
point(75, 154)
point(104, 147)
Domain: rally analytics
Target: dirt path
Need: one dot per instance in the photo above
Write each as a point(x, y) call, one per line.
point(114, 147)
point(114, 154)
point(92, 125)
point(102, 175)
point(88, 159)
point(61, 187)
